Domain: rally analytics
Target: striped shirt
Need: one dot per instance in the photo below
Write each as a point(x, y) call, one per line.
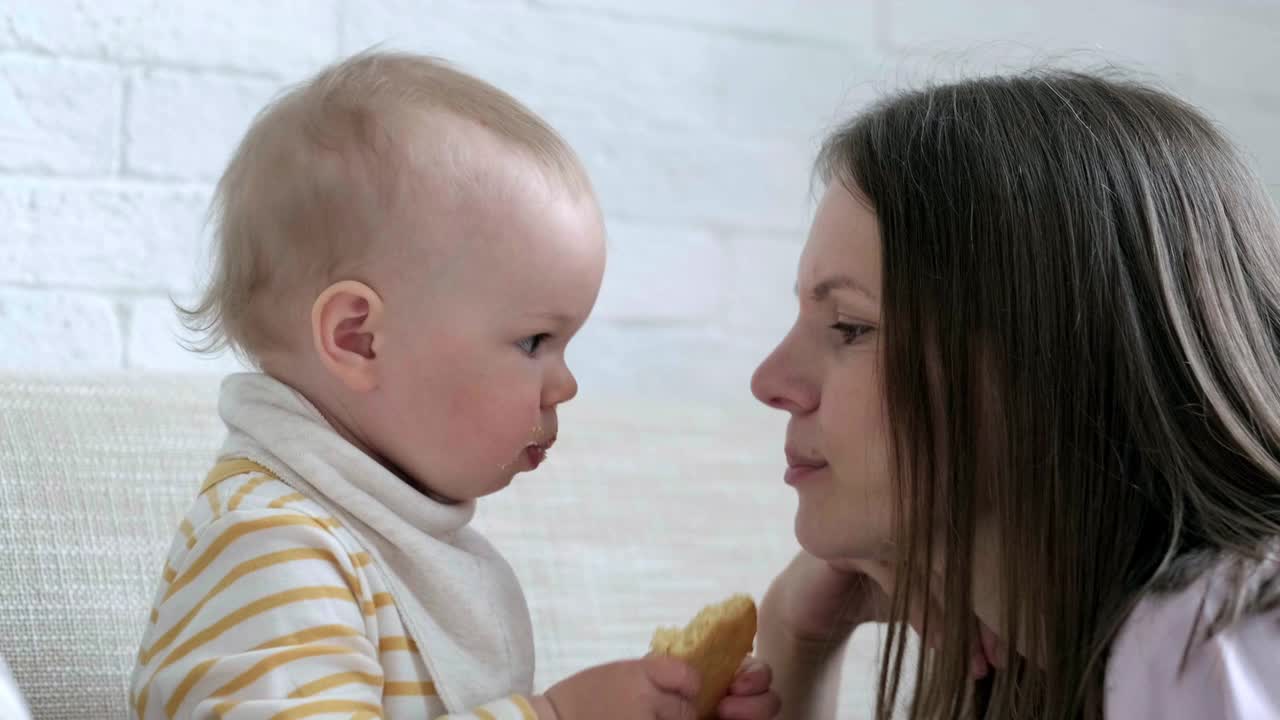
point(267, 610)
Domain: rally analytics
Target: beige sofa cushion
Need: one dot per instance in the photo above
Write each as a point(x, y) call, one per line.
point(91, 481)
point(645, 512)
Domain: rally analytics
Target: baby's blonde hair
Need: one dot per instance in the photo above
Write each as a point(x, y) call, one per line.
point(319, 169)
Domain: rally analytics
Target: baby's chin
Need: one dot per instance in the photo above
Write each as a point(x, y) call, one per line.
point(475, 489)
point(463, 484)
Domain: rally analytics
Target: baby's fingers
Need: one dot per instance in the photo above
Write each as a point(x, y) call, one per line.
point(673, 676)
point(672, 707)
point(753, 678)
point(763, 706)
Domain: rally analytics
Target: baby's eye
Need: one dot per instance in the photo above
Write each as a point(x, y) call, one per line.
point(850, 332)
point(531, 343)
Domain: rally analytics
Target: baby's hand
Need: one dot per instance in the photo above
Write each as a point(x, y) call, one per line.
point(651, 688)
point(750, 696)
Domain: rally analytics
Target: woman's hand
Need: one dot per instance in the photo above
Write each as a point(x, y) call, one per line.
point(823, 602)
point(806, 617)
point(820, 602)
point(810, 611)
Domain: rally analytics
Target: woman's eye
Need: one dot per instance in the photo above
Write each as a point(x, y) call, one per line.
point(850, 332)
point(531, 343)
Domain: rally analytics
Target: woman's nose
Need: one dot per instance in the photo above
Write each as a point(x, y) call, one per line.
point(780, 381)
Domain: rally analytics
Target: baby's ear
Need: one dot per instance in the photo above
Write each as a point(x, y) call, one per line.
point(346, 322)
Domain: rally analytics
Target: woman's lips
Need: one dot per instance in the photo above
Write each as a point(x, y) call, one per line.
point(801, 468)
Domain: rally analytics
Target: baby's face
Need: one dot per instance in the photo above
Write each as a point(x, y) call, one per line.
point(473, 362)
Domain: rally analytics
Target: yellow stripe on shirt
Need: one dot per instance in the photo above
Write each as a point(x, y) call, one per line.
point(249, 486)
point(239, 571)
point(311, 634)
point(329, 682)
point(526, 710)
point(235, 532)
point(196, 674)
point(233, 619)
point(188, 532)
point(257, 607)
point(285, 500)
point(215, 503)
point(231, 468)
point(219, 623)
point(398, 642)
point(266, 665)
point(380, 600)
point(414, 689)
point(321, 707)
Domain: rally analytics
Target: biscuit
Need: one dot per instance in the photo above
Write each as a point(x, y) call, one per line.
point(714, 643)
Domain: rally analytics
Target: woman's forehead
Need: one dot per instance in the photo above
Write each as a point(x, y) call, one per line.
point(843, 249)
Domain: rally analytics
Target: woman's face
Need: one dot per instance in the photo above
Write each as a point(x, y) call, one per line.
point(826, 374)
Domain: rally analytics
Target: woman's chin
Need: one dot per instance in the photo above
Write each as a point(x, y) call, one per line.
point(830, 537)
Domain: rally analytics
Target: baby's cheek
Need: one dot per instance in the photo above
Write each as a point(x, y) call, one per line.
point(497, 420)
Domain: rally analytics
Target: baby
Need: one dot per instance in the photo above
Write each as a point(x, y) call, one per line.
point(404, 251)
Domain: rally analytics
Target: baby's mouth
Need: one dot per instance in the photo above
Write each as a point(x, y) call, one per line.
point(537, 452)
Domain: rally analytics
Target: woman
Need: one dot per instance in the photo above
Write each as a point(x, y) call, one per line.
point(1034, 390)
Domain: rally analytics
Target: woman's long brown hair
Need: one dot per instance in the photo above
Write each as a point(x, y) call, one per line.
point(1081, 349)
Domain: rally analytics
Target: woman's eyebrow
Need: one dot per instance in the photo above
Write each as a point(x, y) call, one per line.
point(823, 290)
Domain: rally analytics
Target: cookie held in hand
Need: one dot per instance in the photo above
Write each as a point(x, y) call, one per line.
point(714, 643)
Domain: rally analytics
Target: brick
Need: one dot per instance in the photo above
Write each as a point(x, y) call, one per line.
point(760, 284)
point(153, 341)
point(1230, 54)
point(696, 361)
point(1003, 35)
point(591, 70)
point(1251, 126)
point(698, 179)
point(51, 331)
point(101, 237)
point(676, 125)
point(838, 21)
point(280, 37)
point(661, 274)
point(58, 117)
point(1267, 11)
point(186, 125)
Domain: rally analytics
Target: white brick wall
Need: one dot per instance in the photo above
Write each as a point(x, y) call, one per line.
point(698, 119)
point(168, 108)
point(60, 118)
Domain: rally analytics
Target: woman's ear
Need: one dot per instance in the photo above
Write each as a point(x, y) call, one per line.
point(347, 330)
